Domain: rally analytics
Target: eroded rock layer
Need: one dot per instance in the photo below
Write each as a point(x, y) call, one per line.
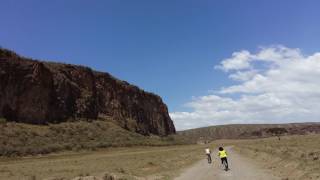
point(41, 92)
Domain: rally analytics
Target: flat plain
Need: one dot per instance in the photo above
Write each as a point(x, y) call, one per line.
point(291, 157)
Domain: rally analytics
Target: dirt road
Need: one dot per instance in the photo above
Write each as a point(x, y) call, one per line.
point(240, 169)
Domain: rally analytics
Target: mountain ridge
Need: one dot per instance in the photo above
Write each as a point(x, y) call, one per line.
point(243, 131)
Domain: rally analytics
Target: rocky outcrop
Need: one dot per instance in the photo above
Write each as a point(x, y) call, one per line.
point(41, 92)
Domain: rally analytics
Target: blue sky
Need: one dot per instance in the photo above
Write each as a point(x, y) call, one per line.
point(169, 47)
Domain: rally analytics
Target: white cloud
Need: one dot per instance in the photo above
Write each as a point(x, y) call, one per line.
point(243, 75)
point(239, 60)
point(278, 54)
point(275, 85)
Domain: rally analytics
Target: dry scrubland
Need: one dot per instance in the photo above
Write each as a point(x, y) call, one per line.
point(82, 148)
point(146, 162)
point(292, 158)
point(18, 139)
point(100, 151)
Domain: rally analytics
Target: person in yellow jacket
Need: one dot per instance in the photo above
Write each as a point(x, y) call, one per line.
point(223, 156)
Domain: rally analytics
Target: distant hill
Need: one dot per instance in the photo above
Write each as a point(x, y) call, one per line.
point(38, 92)
point(240, 131)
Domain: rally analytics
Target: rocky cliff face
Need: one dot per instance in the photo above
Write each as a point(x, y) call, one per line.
point(40, 92)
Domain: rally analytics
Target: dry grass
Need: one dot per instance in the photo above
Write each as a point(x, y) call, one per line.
point(88, 148)
point(160, 162)
point(292, 157)
point(18, 139)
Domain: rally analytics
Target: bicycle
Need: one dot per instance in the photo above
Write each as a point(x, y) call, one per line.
point(209, 158)
point(225, 165)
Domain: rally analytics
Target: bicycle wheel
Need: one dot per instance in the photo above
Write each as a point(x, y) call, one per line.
point(225, 165)
point(209, 159)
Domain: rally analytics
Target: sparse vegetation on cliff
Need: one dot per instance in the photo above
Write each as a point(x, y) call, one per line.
point(3, 120)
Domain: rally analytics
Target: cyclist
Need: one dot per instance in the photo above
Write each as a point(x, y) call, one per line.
point(223, 156)
point(208, 153)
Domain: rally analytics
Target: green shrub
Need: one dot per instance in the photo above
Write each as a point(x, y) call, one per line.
point(3, 120)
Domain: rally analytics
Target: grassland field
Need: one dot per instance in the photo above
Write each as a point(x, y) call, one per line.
point(292, 158)
point(147, 162)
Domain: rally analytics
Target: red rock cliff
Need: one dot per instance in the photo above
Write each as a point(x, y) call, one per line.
point(41, 92)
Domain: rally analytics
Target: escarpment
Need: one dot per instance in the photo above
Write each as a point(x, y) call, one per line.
point(38, 92)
